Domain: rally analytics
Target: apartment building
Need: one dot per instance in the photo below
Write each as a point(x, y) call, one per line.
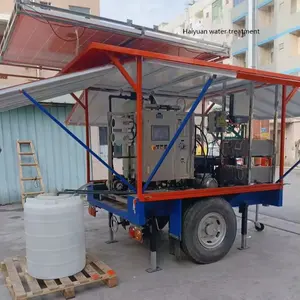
point(202, 17)
point(277, 23)
point(277, 40)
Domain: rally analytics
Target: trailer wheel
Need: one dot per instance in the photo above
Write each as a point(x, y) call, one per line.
point(209, 230)
point(259, 227)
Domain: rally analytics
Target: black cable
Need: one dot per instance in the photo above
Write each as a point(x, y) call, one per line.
point(205, 154)
point(51, 26)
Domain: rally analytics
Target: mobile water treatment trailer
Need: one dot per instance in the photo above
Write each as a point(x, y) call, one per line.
point(154, 128)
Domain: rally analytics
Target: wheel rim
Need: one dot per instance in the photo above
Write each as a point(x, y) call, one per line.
point(211, 230)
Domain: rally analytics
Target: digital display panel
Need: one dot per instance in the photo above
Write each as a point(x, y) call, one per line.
point(160, 133)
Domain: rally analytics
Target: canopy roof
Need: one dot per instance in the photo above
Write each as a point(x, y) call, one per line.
point(168, 78)
point(40, 35)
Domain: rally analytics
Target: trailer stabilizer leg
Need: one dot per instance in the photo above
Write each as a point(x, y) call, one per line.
point(111, 232)
point(244, 229)
point(175, 248)
point(153, 247)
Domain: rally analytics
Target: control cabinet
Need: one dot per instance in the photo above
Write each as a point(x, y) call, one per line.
point(159, 127)
point(217, 122)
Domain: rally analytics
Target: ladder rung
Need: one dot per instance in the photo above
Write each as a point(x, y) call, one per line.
point(24, 142)
point(31, 178)
point(26, 153)
point(28, 165)
point(33, 193)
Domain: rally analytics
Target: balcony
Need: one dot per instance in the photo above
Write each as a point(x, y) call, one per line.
point(268, 67)
point(239, 11)
point(239, 45)
point(262, 3)
point(266, 34)
point(289, 65)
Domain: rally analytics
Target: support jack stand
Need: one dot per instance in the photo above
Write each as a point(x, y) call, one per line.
point(153, 247)
point(175, 248)
point(111, 232)
point(244, 229)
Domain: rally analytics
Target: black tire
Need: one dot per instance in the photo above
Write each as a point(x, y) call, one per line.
point(191, 244)
point(259, 227)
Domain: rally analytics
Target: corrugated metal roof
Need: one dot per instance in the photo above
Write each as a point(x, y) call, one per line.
point(61, 159)
point(167, 81)
point(11, 98)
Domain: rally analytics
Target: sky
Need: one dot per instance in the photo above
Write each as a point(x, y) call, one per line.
point(142, 12)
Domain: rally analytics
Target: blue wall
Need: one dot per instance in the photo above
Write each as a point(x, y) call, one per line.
point(61, 159)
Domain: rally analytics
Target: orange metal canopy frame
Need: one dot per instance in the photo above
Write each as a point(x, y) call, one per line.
point(99, 54)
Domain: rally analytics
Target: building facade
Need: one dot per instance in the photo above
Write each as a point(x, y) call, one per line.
point(61, 159)
point(277, 28)
point(276, 46)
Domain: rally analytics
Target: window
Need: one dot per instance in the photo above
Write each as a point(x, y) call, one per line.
point(272, 56)
point(266, 53)
point(237, 2)
point(240, 60)
point(84, 10)
point(281, 46)
point(216, 10)
point(295, 6)
point(200, 14)
point(103, 136)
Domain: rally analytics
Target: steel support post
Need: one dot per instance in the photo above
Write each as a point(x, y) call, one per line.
point(153, 247)
point(243, 209)
point(223, 109)
point(87, 136)
point(109, 145)
point(111, 232)
point(283, 127)
point(249, 162)
point(275, 132)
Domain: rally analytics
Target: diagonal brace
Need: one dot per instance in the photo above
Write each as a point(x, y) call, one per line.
point(123, 71)
point(46, 112)
point(288, 171)
point(291, 95)
point(78, 100)
point(179, 130)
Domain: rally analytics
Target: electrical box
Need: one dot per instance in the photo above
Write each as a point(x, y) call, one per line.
point(237, 175)
point(235, 148)
point(217, 122)
point(159, 127)
point(240, 147)
point(262, 148)
point(239, 108)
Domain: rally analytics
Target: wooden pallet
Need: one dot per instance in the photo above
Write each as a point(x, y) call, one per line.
point(22, 286)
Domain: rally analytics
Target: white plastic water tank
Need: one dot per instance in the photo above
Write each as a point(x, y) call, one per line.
point(55, 236)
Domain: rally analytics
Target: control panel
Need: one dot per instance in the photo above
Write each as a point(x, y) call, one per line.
point(159, 127)
point(158, 131)
point(217, 122)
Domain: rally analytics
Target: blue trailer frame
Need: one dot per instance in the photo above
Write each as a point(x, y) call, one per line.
point(137, 211)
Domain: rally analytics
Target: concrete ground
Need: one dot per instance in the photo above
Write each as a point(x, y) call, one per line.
point(269, 269)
